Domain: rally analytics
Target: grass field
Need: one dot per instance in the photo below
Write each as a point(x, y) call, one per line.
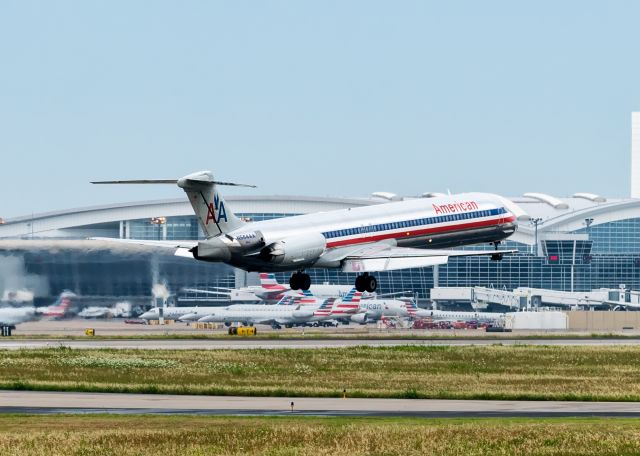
point(183, 435)
point(489, 372)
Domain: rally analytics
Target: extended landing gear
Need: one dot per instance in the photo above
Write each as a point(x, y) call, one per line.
point(300, 281)
point(366, 282)
point(496, 256)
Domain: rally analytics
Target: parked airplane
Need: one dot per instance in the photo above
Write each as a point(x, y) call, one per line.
point(445, 315)
point(192, 313)
point(381, 237)
point(274, 315)
point(120, 309)
point(372, 310)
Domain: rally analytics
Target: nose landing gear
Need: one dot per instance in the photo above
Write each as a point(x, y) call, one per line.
point(366, 282)
point(300, 281)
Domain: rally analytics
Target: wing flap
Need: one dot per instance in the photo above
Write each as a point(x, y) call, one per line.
point(383, 257)
point(390, 263)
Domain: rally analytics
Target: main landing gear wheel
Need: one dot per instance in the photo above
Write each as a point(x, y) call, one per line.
point(300, 281)
point(496, 256)
point(366, 282)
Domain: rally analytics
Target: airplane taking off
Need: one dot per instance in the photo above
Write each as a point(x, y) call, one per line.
point(383, 237)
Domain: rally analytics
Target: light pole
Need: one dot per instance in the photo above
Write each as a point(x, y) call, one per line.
point(535, 222)
point(160, 222)
point(588, 222)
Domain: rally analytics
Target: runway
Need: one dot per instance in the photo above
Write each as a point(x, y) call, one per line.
point(310, 343)
point(72, 403)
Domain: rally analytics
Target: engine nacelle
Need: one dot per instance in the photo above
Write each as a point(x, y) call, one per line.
point(295, 250)
point(360, 318)
point(211, 250)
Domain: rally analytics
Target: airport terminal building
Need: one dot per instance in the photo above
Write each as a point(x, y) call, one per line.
point(578, 243)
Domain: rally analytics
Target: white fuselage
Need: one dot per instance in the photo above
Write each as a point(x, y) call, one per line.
point(266, 314)
point(174, 313)
point(421, 223)
point(445, 315)
point(374, 309)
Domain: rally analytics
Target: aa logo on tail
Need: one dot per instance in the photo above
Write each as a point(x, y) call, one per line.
point(216, 206)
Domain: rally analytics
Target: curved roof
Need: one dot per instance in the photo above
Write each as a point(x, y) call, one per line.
point(564, 215)
point(591, 197)
point(548, 199)
point(49, 224)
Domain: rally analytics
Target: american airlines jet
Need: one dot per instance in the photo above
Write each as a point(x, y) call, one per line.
point(383, 237)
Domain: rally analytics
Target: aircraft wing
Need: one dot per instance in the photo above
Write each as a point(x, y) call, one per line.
point(181, 247)
point(385, 257)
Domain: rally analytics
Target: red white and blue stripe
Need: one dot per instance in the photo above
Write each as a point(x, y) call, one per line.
point(418, 227)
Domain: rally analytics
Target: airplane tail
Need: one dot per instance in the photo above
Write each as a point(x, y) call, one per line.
point(60, 307)
point(353, 296)
point(286, 300)
point(307, 298)
point(325, 308)
point(268, 282)
point(411, 307)
point(214, 216)
point(349, 304)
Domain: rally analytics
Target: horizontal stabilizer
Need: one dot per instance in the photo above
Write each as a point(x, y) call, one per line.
point(168, 181)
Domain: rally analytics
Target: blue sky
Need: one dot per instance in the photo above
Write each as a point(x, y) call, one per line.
point(315, 98)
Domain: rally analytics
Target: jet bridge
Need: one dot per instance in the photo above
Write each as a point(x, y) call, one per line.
point(479, 298)
point(524, 298)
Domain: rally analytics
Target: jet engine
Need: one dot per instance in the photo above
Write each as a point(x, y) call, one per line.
point(360, 318)
point(214, 249)
point(295, 250)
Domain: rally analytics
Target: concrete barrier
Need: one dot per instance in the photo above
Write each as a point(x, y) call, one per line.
point(603, 320)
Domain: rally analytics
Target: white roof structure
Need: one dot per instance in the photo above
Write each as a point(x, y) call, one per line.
point(556, 215)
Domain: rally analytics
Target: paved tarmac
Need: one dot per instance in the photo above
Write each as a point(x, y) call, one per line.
point(248, 343)
point(60, 402)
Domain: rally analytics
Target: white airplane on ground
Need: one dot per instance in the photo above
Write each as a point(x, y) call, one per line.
point(194, 313)
point(11, 316)
point(445, 315)
point(381, 237)
point(372, 310)
point(120, 309)
point(286, 314)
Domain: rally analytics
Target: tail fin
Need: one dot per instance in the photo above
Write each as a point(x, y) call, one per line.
point(347, 305)
point(211, 211)
point(353, 296)
point(59, 308)
point(411, 307)
point(307, 298)
point(286, 300)
point(269, 282)
point(214, 217)
point(325, 308)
